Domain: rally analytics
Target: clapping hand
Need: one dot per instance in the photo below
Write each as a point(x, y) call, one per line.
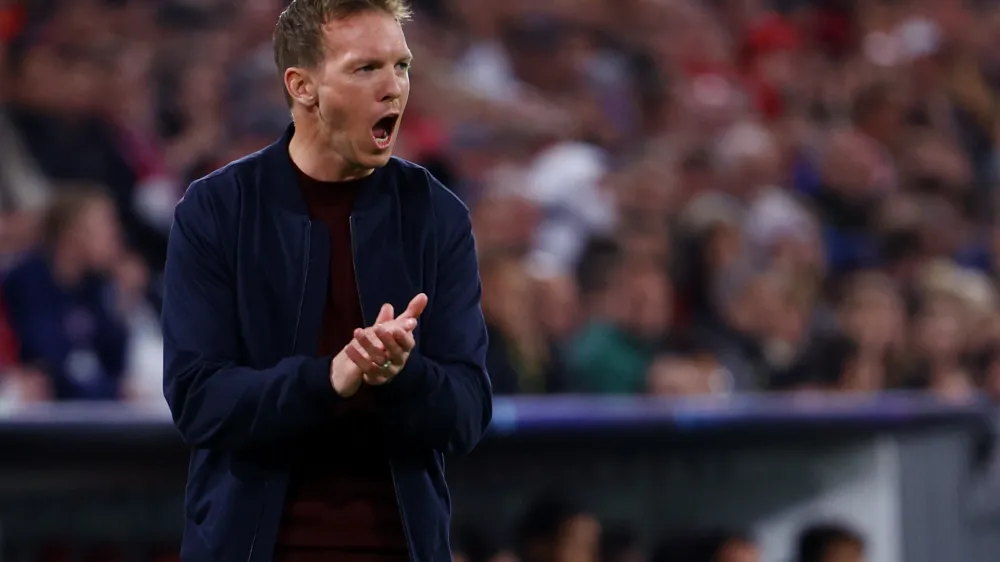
point(381, 351)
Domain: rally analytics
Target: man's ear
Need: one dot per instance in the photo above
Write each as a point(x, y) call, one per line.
point(300, 86)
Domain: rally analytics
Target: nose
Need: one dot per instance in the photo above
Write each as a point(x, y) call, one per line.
point(394, 87)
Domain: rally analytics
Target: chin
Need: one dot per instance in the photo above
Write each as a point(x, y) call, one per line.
point(377, 160)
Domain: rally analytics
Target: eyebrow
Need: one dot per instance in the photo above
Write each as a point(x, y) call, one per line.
point(374, 61)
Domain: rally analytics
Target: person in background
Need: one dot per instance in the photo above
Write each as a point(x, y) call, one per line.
point(62, 302)
point(940, 334)
point(987, 371)
point(472, 545)
point(835, 363)
point(613, 352)
point(830, 543)
point(687, 375)
point(713, 546)
point(621, 544)
point(872, 314)
point(858, 171)
point(555, 530)
point(520, 359)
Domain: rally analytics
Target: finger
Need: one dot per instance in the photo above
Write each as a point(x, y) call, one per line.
point(385, 314)
point(357, 355)
point(407, 324)
point(386, 336)
point(373, 350)
point(372, 346)
point(376, 379)
point(404, 339)
point(415, 308)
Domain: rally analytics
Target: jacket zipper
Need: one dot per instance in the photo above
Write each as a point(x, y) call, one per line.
point(295, 342)
point(253, 541)
point(305, 283)
point(392, 466)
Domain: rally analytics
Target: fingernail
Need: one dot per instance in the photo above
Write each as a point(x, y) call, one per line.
point(411, 324)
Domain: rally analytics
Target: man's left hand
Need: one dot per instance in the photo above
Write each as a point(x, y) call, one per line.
point(381, 351)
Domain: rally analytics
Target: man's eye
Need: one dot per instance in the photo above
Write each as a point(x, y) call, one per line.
point(403, 66)
point(367, 68)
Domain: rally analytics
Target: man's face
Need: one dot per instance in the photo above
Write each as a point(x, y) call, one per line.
point(362, 87)
point(97, 235)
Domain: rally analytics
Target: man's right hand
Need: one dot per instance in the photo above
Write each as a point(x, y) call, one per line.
point(346, 376)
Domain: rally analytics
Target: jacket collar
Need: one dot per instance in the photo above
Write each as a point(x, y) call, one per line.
point(280, 179)
point(278, 175)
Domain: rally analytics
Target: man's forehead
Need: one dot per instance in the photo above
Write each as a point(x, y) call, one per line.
point(368, 35)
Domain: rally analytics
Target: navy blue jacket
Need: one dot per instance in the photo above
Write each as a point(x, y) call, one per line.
point(245, 285)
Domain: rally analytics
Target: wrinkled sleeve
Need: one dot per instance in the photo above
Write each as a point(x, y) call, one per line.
point(443, 397)
point(217, 403)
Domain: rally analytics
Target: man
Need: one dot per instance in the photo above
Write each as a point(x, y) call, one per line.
point(317, 417)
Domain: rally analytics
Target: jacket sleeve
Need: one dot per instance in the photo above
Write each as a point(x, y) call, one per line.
point(217, 403)
point(443, 397)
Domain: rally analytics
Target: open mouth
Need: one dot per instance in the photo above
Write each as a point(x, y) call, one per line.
point(383, 130)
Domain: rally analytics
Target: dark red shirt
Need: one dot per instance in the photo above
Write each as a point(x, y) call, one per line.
point(341, 504)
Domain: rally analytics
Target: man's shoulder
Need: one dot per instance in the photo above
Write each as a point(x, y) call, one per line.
point(412, 175)
point(221, 188)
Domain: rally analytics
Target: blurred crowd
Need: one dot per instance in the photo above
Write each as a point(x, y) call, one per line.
point(554, 530)
point(672, 197)
point(677, 197)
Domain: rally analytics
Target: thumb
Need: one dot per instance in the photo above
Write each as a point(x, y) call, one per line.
point(416, 307)
point(385, 314)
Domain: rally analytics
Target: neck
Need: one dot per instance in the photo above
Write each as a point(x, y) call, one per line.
point(66, 269)
point(313, 155)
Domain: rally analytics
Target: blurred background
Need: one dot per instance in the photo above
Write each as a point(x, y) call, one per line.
point(781, 214)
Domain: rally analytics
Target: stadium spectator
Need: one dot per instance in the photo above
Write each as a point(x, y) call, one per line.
point(62, 302)
point(830, 543)
point(715, 546)
point(744, 173)
point(554, 530)
point(521, 358)
point(620, 544)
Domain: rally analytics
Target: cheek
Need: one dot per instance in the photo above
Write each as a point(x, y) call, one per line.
point(333, 109)
point(405, 96)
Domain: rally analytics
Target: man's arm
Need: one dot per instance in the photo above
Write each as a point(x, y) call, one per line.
point(443, 397)
point(215, 402)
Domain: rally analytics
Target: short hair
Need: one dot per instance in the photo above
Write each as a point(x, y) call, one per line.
point(816, 540)
point(66, 207)
point(543, 519)
point(298, 35)
point(696, 546)
point(616, 542)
